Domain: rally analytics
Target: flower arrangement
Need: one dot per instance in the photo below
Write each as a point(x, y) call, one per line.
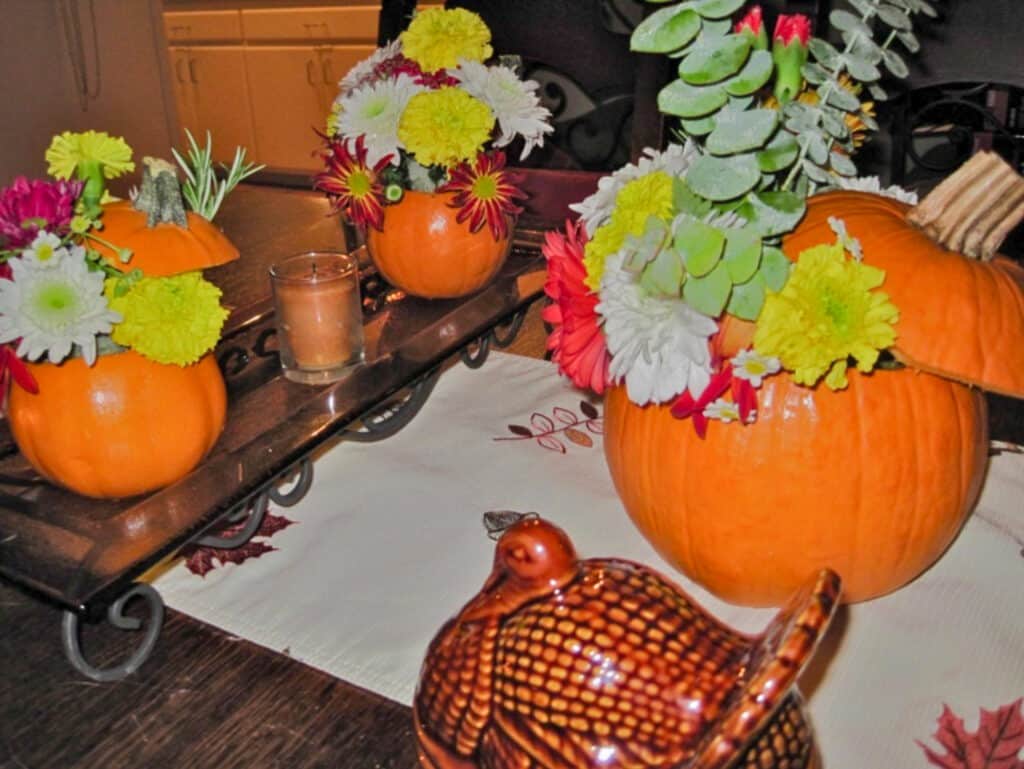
point(428, 113)
point(673, 251)
point(66, 290)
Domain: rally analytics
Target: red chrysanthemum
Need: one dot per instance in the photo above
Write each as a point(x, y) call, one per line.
point(576, 341)
point(484, 192)
point(401, 65)
point(353, 187)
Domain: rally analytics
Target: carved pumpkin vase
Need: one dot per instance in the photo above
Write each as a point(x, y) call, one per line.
point(424, 251)
point(873, 481)
point(559, 662)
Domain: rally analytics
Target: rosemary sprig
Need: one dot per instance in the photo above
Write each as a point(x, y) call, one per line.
point(202, 189)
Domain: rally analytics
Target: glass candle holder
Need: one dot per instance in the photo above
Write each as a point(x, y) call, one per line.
point(319, 316)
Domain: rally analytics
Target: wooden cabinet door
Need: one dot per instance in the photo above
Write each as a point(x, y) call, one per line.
point(183, 95)
point(336, 61)
point(221, 100)
point(289, 104)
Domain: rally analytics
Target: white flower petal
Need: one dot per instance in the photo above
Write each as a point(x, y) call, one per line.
point(874, 184)
point(373, 111)
point(362, 73)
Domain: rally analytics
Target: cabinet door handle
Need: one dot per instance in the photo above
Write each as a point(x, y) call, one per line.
point(177, 70)
point(309, 72)
point(326, 70)
point(192, 71)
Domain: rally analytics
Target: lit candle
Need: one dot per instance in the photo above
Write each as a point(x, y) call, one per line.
point(319, 317)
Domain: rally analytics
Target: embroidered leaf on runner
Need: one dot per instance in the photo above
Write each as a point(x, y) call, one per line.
point(202, 560)
point(996, 745)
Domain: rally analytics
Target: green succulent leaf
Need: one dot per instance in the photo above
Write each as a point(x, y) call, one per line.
point(747, 299)
point(773, 212)
point(718, 9)
point(700, 244)
point(715, 29)
point(711, 61)
point(755, 73)
point(685, 100)
point(700, 126)
point(774, 268)
point(685, 201)
point(780, 153)
point(742, 253)
point(709, 294)
point(666, 30)
point(742, 131)
point(664, 274)
point(723, 178)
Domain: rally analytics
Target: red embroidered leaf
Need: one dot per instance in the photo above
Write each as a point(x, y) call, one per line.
point(552, 444)
point(579, 437)
point(520, 430)
point(202, 560)
point(596, 426)
point(589, 410)
point(564, 416)
point(542, 423)
point(996, 745)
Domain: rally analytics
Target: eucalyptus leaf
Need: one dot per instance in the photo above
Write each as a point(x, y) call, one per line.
point(814, 73)
point(664, 274)
point(712, 61)
point(701, 126)
point(814, 173)
point(868, 121)
point(668, 29)
point(865, 48)
point(894, 63)
point(700, 244)
point(723, 178)
point(842, 164)
point(684, 100)
point(755, 73)
point(817, 148)
point(718, 9)
point(834, 121)
point(928, 9)
point(838, 96)
point(709, 294)
point(742, 253)
point(823, 52)
point(846, 22)
point(747, 299)
point(862, 69)
point(877, 92)
point(774, 212)
point(774, 268)
point(742, 131)
point(863, 6)
point(780, 153)
point(910, 41)
point(895, 18)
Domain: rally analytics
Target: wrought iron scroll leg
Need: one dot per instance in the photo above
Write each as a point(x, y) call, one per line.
point(252, 524)
point(476, 359)
point(117, 618)
point(503, 336)
point(385, 423)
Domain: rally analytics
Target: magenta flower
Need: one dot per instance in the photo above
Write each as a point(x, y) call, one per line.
point(753, 24)
point(26, 207)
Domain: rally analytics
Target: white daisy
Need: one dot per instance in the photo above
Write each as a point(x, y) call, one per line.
point(874, 184)
point(362, 72)
point(44, 248)
point(754, 367)
point(373, 111)
point(658, 346)
point(724, 410)
point(514, 102)
point(51, 308)
point(419, 177)
point(597, 209)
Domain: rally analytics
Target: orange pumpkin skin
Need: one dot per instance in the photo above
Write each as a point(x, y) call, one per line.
point(124, 426)
point(165, 249)
point(873, 481)
point(425, 252)
point(960, 318)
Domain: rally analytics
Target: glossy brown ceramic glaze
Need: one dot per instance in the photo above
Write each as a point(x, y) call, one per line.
point(565, 663)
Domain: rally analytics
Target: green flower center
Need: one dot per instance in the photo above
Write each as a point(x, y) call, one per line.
point(485, 188)
point(55, 304)
point(375, 108)
point(359, 184)
point(837, 311)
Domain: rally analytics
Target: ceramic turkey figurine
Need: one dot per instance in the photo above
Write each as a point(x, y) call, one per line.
point(560, 663)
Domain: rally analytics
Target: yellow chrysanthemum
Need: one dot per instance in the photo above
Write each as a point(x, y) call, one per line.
point(826, 313)
point(438, 38)
point(69, 149)
point(445, 127)
point(639, 199)
point(173, 320)
point(333, 117)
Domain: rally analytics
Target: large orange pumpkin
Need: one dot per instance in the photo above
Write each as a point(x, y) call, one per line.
point(124, 426)
point(425, 252)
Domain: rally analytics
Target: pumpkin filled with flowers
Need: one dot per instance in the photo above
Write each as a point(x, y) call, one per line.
point(106, 321)
point(414, 154)
point(790, 353)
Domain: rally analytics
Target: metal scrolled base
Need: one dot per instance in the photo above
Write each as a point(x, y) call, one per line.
point(387, 421)
point(474, 356)
point(116, 616)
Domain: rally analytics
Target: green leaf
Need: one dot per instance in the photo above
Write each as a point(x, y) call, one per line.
point(700, 244)
point(895, 18)
point(894, 63)
point(708, 294)
point(715, 29)
point(701, 126)
point(742, 131)
point(815, 74)
point(845, 21)
point(877, 92)
point(663, 275)
point(714, 60)
point(834, 121)
point(910, 41)
point(780, 153)
point(815, 173)
point(774, 212)
point(823, 52)
point(668, 29)
point(747, 299)
point(685, 201)
point(742, 253)
point(718, 9)
point(838, 96)
point(842, 164)
point(865, 48)
point(755, 73)
point(723, 178)
point(862, 69)
point(775, 268)
point(684, 100)
point(817, 149)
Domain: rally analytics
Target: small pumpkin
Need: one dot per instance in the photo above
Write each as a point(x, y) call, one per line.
point(425, 252)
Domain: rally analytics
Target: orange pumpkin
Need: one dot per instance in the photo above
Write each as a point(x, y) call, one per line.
point(873, 481)
point(124, 426)
point(425, 252)
point(165, 249)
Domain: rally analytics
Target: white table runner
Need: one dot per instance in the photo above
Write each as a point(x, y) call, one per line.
point(389, 544)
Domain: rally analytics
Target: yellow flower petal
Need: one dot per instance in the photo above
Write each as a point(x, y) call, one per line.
point(437, 38)
point(445, 127)
point(69, 149)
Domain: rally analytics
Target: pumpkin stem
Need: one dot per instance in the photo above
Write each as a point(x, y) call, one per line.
point(159, 197)
point(973, 210)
